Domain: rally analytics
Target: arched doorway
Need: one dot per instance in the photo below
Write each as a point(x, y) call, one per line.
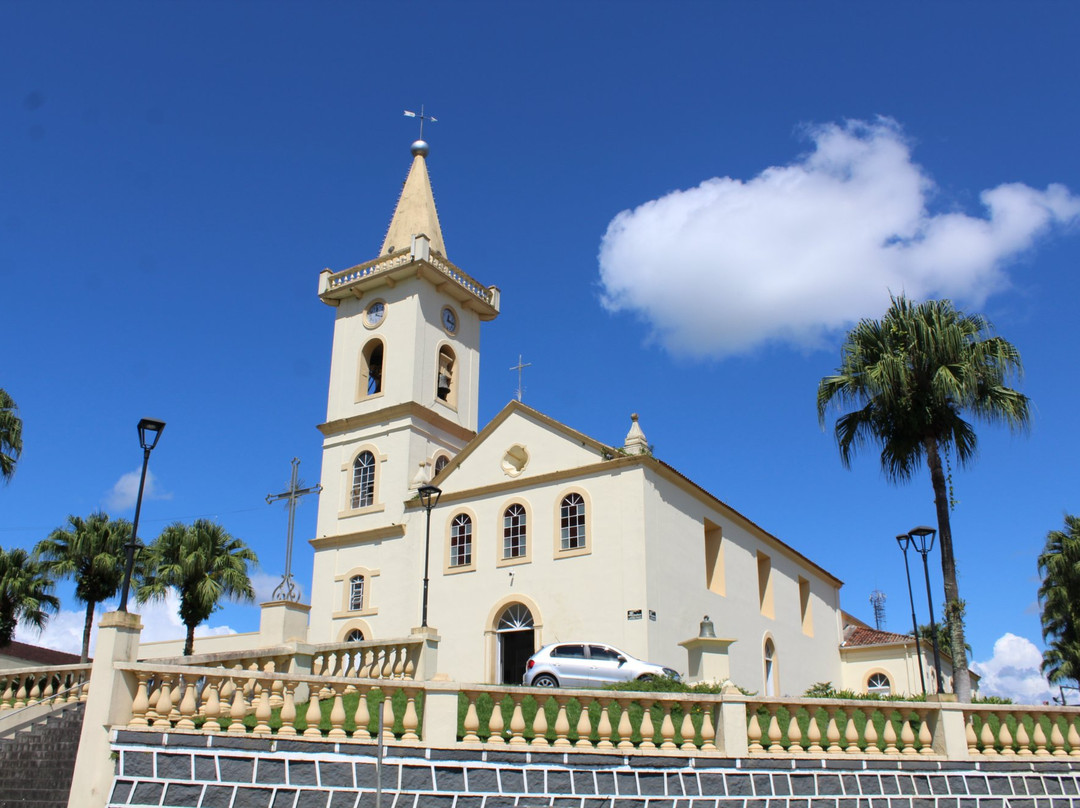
point(514, 643)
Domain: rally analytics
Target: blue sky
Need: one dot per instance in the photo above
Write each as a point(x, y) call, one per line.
point(173, 177)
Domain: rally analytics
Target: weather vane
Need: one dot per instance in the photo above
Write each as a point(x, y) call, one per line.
point(287, 589)
point(422, 117)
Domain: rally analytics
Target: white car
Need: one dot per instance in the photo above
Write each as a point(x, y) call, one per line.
point(579, 664)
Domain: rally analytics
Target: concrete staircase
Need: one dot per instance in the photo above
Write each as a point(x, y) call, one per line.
point(37, 761)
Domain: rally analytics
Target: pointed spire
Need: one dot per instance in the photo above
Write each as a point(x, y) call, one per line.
point(635, 438)
point(415, 212)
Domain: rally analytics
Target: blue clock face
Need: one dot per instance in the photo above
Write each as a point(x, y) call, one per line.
point(375, 313)
point(449, 320)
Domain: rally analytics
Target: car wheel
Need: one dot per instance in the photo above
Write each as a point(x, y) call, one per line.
point(646, 677)
point(545, 680)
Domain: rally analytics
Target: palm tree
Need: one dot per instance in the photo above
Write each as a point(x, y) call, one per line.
point(92, 552)
point(10, 435)
point(25, 593)
point(204, 564)
point(1059, 595)
point(913, 374)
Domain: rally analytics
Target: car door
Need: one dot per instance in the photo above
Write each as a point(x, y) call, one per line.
point(604, 666)
point(570, 664)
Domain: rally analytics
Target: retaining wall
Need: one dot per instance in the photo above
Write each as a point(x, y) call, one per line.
point(218, 771)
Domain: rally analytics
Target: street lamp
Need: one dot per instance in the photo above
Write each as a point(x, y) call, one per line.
point(429, 498)
point(922, 539)
point(149, 433)
point(904, 540)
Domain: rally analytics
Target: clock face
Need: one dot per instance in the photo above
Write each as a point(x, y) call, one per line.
point(449, 320)
point(375, 313)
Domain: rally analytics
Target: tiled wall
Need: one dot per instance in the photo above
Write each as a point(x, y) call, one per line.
point(244, 772)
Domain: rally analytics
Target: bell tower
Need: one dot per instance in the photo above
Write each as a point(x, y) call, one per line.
point(404, 373)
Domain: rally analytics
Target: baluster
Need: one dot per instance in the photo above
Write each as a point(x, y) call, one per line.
point(35, 689)
point(889, 734)
point(687, 728)
point(870, 733)
point(189, 705)
point(276, 688)
point(1022, 738)
point(832, 735)
point(753, 730)
point(1039, 736)
point(562, 722)
point(141, 703)
point(8, 695)
point(774, 728)
point(969, 731)
point(667, 727)
point(813, 733)
point(288, 709)
point(211, 703)
point(851, 733)
point(584, 725)
point(540, 723)
point(317, 663)
point(495, 724)
point(388, 715)
point(263, 713)
point(388, 666)
point(517, 723)
point(603, 728)
point(647, 730)
point(794, 734)
point(410, 663)
point(926, 741)
point(1073, 738)
point(366, 663)
point(352, 670)
point(411, 721)
point(47, 693)
point(337, 714)
point(237, 709)
point(20, 694)
point(626, 729)
point(174, 701)
point(1005, 736)
point(708, 730)
point(399, 662)
point(164, 703)
point(986, 736)
point(472, 720)
point(363, 715)
point(313, 715)
point(1057, 740)
point(907, 734)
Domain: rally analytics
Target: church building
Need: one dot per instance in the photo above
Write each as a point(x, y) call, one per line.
point(539, 533)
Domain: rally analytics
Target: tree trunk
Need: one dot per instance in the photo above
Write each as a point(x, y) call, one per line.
point(88, 626)
point(961, 678)
point(189, 644)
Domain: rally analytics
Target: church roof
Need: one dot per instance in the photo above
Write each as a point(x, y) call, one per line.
point(864, 635)
point(415, 213)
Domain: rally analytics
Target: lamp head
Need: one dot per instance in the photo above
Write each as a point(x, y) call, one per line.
point(429, 496)
point(149, 432)
point(919, 536)
point(904, 540)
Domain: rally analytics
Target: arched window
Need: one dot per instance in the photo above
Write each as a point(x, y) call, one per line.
point(371, 368)
point(461, 540)
point(363, 480)
point(440, 462)
point(356, 593)
point(445, 381)
point(771, 688)
point(572, 520)
point(515, 537)
point(879, 683)
point(356, 635)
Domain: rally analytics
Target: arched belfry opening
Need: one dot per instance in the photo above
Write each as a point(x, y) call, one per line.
point(445, 382)
point(515, 643)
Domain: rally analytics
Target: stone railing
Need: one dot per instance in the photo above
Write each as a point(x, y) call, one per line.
point(48, 684)
point(1022, 730)
point(387, 263)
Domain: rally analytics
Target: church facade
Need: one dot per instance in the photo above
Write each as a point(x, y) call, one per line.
point(540, 533)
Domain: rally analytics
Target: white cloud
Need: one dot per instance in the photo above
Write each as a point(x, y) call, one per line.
point(160, 619)
point(811, 247)
point(1013, 671)
point(124, 492)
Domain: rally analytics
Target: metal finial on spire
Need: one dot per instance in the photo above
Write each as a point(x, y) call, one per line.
point(422, 117)
point(287, 589)
point(519, 367)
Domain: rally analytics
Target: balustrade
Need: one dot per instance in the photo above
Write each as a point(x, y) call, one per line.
point(1022, 731)
point(54, 684)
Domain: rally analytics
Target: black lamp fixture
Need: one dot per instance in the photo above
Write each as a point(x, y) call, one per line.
point(149, 434)
point(904, 540)
point(429, 498)
point(922, 539)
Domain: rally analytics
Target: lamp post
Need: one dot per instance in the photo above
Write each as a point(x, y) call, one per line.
point(922, 538)
point(429, 498)
point(149, 434)
point(904, 540)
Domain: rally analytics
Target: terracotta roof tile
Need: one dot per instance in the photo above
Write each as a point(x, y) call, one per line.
point(35, 653)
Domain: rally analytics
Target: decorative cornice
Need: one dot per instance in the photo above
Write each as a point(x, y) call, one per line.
point(409, 409)
point(360, 537)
